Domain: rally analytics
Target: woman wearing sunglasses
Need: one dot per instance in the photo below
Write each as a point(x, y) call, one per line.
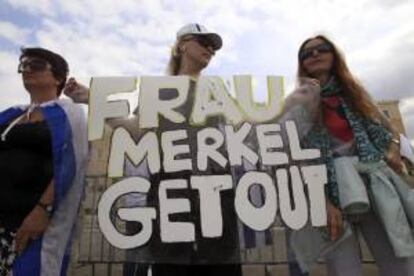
point(43, 149)
point(361, 151)
point(192, 51)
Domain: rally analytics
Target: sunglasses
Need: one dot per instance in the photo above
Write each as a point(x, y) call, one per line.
point(203, 41)
point(33, 65)
point(308, 52)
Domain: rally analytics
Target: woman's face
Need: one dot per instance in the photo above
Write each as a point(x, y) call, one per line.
point(198, 49)
point(36, 73)
point(317, 57)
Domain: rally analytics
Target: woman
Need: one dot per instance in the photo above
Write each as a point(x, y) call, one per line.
point(354, 138)
point(42, 150)
point(191, 53)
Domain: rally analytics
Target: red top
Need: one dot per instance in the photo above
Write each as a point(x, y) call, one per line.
point(336, 124)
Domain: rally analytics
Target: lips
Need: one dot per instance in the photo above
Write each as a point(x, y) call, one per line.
point(315, 60)
point(28, 75)
point(207, 55)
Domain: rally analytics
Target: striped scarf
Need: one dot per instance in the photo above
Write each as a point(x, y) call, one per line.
point(371, 139)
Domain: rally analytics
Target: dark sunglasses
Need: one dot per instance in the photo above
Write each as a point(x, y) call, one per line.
point(308, 52)
point(33, 65)
point(203, 41)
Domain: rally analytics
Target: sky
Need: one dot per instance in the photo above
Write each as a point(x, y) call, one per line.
point(261, 37)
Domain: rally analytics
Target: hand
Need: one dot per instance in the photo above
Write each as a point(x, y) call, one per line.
point(79, 93)
point(306, 94)
point(335, 222)
point(32, 227)
point(393, 158)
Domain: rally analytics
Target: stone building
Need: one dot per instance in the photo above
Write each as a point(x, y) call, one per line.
point(391, 110)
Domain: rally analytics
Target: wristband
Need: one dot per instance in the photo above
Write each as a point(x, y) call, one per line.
point(395, 141)
point(48, 208)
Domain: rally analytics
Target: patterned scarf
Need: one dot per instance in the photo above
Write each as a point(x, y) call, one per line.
point(371, 138)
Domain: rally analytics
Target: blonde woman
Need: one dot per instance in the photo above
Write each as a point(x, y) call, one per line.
point(191, 53)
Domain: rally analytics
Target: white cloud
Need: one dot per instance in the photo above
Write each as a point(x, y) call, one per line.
point(9, 62)
point(127, 37)
point(13, 33)
point(38, 7)
point(96, 52)
point(12, 88)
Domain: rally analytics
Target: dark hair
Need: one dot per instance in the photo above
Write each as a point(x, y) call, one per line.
point(60, 68)
point(357, 96)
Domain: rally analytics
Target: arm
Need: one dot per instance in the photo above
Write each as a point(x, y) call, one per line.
point(303, 107)
point(335, 221)
point(306, 94)
point(36, 222)
point(78, 92)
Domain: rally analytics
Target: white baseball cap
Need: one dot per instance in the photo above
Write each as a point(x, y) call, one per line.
point(197, 29)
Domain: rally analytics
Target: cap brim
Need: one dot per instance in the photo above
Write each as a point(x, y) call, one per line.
point(215, 39)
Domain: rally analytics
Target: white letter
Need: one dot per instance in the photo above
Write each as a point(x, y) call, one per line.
point(208, 141)
point(171, 151)
point(295, 150)
point(144, 215)
point(294, 216)
point(211, 99)
point(122, 143)
point(150, 104)
point(315, 178)
point(209, 187)
point(100, 109)
point(257, 218)
point(235, 147)
point(259, 112)
point(174, 231)
point(269, 139)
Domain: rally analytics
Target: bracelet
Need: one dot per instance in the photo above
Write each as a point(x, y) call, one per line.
point(48, 208)
point(395, 141)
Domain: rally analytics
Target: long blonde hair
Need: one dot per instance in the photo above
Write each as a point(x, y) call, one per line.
point(356, 95)
point(174, 64)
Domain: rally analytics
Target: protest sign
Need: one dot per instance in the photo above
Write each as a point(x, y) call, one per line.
point(205, 165)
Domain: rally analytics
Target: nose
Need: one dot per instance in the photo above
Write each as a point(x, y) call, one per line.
point(315, 52)
point(25, 69)
point(211, 50)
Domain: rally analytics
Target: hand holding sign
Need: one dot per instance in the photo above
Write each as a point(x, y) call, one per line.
point(307, 94)
point(78, 92)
